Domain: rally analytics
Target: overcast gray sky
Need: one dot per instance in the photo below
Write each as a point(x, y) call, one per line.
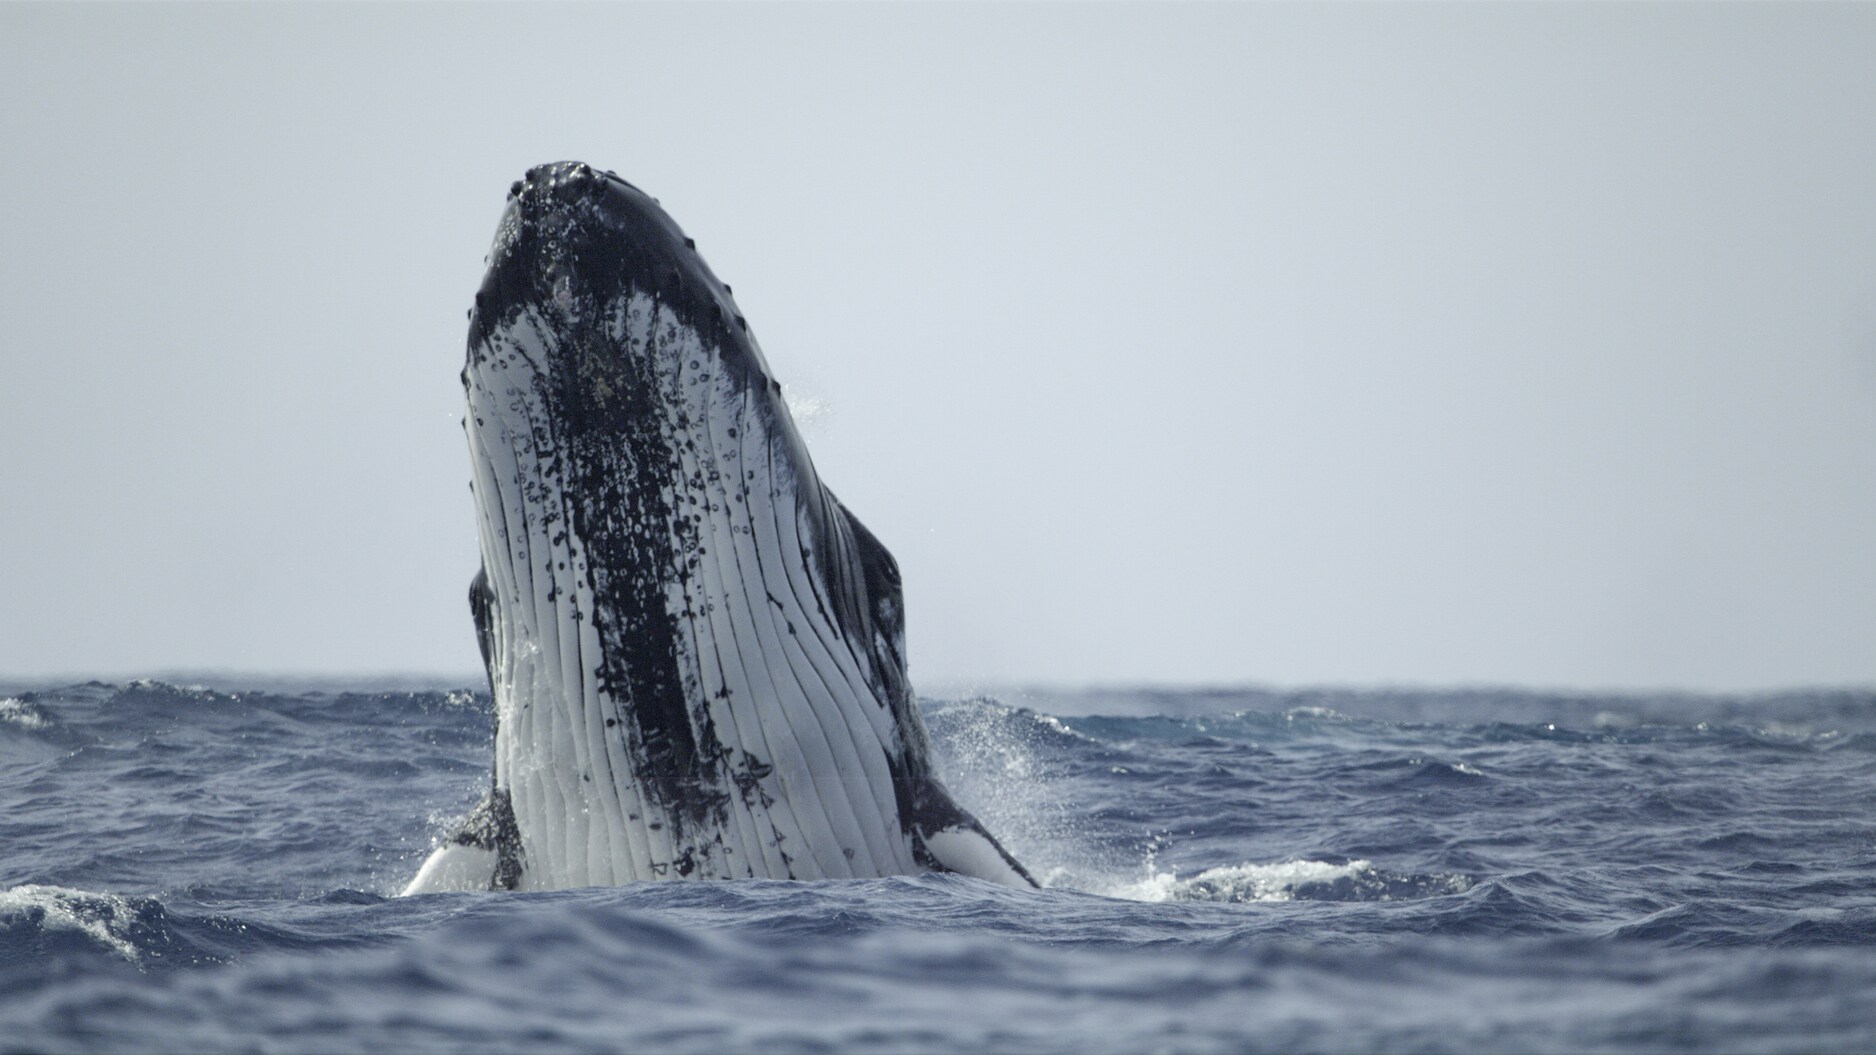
point(1413, 344)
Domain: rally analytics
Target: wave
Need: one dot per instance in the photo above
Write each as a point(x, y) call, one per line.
point(31, 911)
point(19, 712)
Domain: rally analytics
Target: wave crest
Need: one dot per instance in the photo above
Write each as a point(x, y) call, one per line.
point(105, 918)
point(1295, 880)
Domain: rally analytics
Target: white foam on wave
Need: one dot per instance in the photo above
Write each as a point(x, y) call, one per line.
point(20, 713)
point(1239, 883)
point(59, 908)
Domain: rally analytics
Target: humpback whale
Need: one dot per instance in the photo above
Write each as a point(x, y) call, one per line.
point(696, 652)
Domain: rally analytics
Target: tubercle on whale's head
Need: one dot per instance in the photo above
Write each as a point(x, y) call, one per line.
point(573, 237)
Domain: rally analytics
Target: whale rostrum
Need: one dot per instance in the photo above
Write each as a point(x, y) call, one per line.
point(696, 653)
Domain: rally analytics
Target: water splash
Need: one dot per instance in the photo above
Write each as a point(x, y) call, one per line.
point(810, 411)
point(1008, 767)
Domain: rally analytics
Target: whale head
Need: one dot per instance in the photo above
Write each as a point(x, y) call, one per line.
point(697, 655)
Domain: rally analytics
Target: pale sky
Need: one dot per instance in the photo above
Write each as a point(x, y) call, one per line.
point(1280, 344)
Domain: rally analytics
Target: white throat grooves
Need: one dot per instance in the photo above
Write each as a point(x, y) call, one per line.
point(568, 782)
point(743, 635)
point(806, 818)
point(805, 767)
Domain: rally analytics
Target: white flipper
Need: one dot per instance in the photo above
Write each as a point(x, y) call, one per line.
point(968, 851)
point(456, 867)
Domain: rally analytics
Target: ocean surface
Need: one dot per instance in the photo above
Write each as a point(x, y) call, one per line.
point(214, 868)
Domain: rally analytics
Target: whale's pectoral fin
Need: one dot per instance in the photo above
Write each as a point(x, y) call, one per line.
point(874, 612)
point(482, 609)
point(947, 838)
point(885, 596)
point(483, 853)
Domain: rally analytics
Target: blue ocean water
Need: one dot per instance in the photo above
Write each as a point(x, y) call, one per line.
point(187, 868)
